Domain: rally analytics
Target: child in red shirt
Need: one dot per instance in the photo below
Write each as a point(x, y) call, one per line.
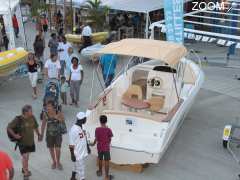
point(103, 136)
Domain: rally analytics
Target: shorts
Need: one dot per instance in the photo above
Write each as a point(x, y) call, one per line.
point(104, 156)
point(33, 78)
point(54, 141)
point(26, 149)
point(45, 27)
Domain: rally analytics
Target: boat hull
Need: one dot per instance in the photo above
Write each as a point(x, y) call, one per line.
point(125, 155)
point(9, 64)
point(96, 37)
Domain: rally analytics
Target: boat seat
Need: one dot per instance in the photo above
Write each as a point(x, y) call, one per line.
point(143, 84)
point(156, 103)
point(134, 91)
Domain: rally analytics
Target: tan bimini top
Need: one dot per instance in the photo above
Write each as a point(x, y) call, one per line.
point(168, 52)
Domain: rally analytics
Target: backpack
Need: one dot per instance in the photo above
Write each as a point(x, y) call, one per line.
point(16, 130)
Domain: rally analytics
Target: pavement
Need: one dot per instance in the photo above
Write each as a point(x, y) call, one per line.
point(195, 153)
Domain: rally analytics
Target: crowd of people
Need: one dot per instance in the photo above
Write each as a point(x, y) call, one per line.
point(65, 67)
point(23, 127)
point(62, 65)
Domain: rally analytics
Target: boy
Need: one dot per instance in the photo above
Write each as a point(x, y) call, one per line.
point(103, 136)
point(64, 88)
point(78, 147)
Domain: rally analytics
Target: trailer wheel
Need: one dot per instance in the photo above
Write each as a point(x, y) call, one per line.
point(225, 143)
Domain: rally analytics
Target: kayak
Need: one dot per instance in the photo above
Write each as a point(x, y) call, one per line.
point(10, 60)
point(96, 37)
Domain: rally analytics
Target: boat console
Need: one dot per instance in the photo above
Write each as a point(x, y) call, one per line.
point(161, 90)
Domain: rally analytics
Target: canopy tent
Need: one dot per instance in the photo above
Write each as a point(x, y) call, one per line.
point(7, 5)
point(170, 53)
point(7, 10)
point(75, 3)
point(140, 6)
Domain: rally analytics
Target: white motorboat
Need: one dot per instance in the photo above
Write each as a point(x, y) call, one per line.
point(148, 102)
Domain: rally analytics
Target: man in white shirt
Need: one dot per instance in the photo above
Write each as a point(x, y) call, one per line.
point(52, 67)
point(86, 37)
point(63, 53)
point(87, 31)
point(78, 147)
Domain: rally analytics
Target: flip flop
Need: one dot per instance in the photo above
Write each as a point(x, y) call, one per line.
point(29, 173)
point(99, 173)
point(110, 177)
point(53, 166)
point(60, 167)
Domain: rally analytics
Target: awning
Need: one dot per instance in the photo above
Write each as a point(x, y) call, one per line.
point(141, 6)
point(7, 6)
point(76, 3)
point(170, 53)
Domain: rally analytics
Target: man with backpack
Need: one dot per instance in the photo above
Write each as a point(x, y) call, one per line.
point(21, 130)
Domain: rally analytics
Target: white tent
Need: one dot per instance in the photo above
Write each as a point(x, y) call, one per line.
point(7, 9)
point(7, 5)
point(76, 3)
point(141, 6)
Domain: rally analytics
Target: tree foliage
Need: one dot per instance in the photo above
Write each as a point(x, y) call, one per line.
point(97, 14)
point(38, 7)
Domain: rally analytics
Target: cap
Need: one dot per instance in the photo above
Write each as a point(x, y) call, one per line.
point(81, 115)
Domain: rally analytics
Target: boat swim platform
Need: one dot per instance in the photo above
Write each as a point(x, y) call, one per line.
point(136, 168)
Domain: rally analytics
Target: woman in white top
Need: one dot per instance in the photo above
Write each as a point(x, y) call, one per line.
point(76, 78)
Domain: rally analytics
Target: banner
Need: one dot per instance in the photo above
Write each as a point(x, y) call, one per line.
point(173, 12)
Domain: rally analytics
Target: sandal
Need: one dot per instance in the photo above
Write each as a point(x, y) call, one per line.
point(110, 177)
point(99, 173)
point(29, 173)
point(53, 166)
point(60, 167)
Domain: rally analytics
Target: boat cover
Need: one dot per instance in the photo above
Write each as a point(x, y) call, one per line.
point(168, 52)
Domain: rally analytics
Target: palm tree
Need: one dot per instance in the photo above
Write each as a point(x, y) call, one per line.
point(71, 2)
point(65, 14)
point(97, 14)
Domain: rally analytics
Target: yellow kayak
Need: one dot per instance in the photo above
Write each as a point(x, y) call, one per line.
point(96, 37)
point(10, 60)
